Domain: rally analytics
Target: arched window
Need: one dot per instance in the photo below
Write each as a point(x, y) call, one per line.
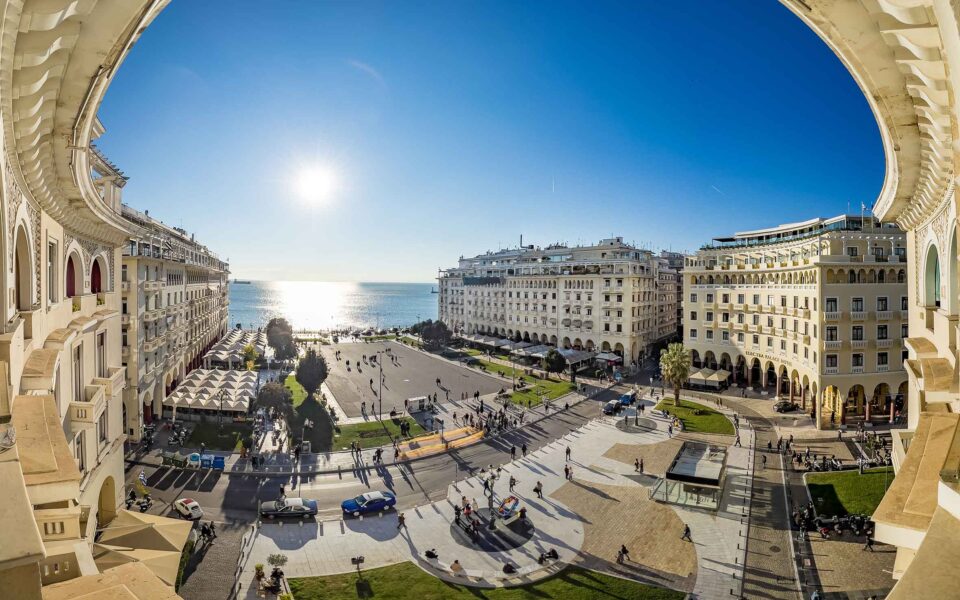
point(931, 278)
point(74, 278)
point(23, 273)
point(96, 277)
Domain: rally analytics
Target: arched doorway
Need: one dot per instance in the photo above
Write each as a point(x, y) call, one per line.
point(23, 271)
point(931, 278)
point(148, 408)
point(754, 375)
point(831, 404)
point(880, 401)
point(107, 502)
point(854, 405)
point(74, 279)
point(96, 284)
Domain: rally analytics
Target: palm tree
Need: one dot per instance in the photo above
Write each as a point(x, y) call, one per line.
point(675, 367)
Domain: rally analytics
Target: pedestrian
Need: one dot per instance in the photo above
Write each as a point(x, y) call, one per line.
point(401, 521)
point(641, 465)
point(486, 486)
point(283, 495)
point(568, 453)
point(513, 482)
point(463, 501)
point(764, 460)
point(523, 449)
point(623, 554)
point(670, 430)
point(566, 472)
point(839, 435)
point(539, 490)
point(686, 533)
point(213, 529)
point(636, 465)
point(737, 442)
point(570, 474)
point(456, 514)
point(869, 544)
point(513, 452)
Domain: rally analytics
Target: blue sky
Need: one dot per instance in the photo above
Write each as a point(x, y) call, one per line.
point(454, 127)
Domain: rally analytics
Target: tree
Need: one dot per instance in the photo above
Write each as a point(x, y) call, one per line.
point(274, 395)
point(675, 367)
point(280, 338)
point(311, 371)
point(250, 356)
point(554, 362)
point(435, 334)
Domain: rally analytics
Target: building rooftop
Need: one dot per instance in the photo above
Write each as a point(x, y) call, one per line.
point(789, 232)
point(21, 539)
point(132, 581)
point(44, 454)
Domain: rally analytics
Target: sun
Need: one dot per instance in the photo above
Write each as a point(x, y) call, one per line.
point(316, 184)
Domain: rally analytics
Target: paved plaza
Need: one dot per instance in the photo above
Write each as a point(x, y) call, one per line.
point(414, 373)
point(586, 519)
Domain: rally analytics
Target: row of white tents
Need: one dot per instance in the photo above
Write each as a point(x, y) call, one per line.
point(708, 377)
point(537, 351)
point(228, 351)
point(214, 389)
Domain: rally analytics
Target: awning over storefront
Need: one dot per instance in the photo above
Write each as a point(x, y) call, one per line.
point(609, 356)
point(518, 346)
point(534, 351)
point(575, 357)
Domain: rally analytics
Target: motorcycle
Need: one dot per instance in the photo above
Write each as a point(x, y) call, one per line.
point(145, 503)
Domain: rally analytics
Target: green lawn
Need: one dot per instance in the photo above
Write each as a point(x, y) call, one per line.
point(848, 492)
point(373, 433)
point(531, 396)
point(299, 394)
point(230, 439)
point(708, 421)
point(411, 341)
point(380, 338)
point(406, 580)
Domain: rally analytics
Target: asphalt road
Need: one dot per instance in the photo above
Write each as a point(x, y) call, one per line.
point(413, 375)
point(234, 499)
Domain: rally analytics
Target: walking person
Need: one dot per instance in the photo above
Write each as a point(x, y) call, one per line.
point(513, 452)
point(737, 442)
point(513, 482)
point(686, 533)
point(538, 489)
point(764, 461)
point(869, 544)
point(523, 449)
point(636, 465)
point(401, 521)
point(568, 453)
point(566, 472)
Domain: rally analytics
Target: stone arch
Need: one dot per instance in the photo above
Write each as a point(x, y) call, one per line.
point(107, 502)
point(73, 275)
point(566, 342)
point(590, 346)
point(725, 363)
point(526, 336)
point(755, 374)
point(578, 344)
point(931, 277)
point(148, 415)
point(23, 270)
point(831, 404)
point(695, 359)
point(534, 338)
point(710, 360)
point(855, 402)
point(99, 275)
point(553, 340)
point(618, 349)
point(952, 288)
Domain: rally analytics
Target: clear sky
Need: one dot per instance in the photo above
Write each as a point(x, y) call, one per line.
point(429, 130)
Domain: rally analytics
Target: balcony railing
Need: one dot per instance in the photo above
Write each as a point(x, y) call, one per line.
point(832, 344)
point(858, 315)
point(883, 315)
point(831, 370)
point(858, 344)
point(831, 316)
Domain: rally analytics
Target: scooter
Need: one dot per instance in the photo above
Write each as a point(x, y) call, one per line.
point(145, 503)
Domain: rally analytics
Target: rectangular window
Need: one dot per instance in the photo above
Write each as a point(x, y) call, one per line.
point(830, 305)
point(693, 297)
point(740, 338)
point(882, 303)
point(903, 303)
point(756, 340)
point(102, 427)
point(726, 298)
point(725, 336)
point(904, 331)
point(831, 360)
point(709, 298)
point(852, 251)
point(77, 376)
point(693, 315)
point(102, 354)
point(725, 317)
point(52, 272)
point(709, 317)
point(856, 304)
point(79, 454)
point(831, 333)
point(881, 332)
point(739, 298)
point(693, 334)
point(857, 333)
point(756, 299)
point(881, 359)
point(857, 359)
point(709, 334)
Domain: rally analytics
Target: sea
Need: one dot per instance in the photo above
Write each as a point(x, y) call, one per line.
point(325, 305)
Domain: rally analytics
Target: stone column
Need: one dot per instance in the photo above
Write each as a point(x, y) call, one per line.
point(893, 408)
point(791, 390)
point(866, 410)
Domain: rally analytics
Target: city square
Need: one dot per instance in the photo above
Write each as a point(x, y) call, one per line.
point(446, 301)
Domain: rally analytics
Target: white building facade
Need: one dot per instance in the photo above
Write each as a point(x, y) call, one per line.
point(174, 308)
point(609, 297)
point(812, 311)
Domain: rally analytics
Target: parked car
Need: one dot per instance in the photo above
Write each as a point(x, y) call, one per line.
point(368, 502)
point(785, 406)
point(289, 507)
point(188, 508)
point(611, 407)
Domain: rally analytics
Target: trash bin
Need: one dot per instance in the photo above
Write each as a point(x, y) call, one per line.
point(206, 461)
point(219, 462)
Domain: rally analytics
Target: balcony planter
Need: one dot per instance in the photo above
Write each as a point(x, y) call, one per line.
point(76, 304)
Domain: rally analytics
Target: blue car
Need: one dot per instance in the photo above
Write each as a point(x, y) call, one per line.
point(627, 399)
point(368, 503)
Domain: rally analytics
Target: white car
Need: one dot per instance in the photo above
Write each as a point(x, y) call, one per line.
point(188, 508)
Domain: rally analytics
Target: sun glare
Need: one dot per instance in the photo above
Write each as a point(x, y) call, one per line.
point(316, 184)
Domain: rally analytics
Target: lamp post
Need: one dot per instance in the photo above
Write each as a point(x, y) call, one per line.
point(220, 411)
point(380, 392)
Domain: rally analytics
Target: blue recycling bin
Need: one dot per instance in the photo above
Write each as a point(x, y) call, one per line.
point(219, 462)
point(206, 461)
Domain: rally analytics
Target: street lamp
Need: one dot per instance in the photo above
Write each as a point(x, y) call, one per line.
point(380, 392)
point(220, 411)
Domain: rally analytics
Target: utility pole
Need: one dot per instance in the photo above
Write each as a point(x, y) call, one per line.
point(380, 393)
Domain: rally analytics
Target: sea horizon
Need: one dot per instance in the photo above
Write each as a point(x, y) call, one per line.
point(311, 305)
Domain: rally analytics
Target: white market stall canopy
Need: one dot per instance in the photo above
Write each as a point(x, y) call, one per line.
point(608, 356)
point(518, 346)
point(230, 348)
point(204, 388)
point(708, 377)
point(575, 356)
point(534, 351)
